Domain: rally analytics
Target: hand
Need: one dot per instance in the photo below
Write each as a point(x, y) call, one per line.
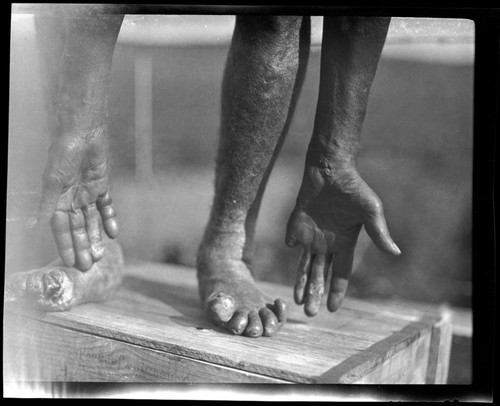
point(326, 222)
point(75, 197)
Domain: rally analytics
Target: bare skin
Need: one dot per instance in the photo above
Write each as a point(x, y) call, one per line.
point(57, 287)
point(75, 194)
point(264, 72)
point(75, 190)
point(334, 202)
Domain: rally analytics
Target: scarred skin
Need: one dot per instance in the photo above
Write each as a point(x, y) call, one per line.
point(56, 287)
point(334, 202)
point(75, 190)
point(264, 73)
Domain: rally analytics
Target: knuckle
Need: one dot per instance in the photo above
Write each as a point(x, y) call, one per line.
point(105, 200)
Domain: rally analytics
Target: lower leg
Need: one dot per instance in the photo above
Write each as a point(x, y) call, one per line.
point(261, 83)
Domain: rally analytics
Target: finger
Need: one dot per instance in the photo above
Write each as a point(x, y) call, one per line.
point(303, 267)
point(326, 268)
point(315, 286)
point(51, 190)
point(93, 231)
point(376, 228)
point(81, 244)
point(62, 234)
point(108, 215)
point(341, 273)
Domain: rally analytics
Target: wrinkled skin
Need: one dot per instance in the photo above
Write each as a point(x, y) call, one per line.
point(334, 202)
point(76, 197)
point(75, 194)
point(264, 73)
point(326, 222)
point(56, 287)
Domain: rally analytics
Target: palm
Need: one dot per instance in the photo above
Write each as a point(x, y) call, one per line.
point(326, 222)
point(75, 197)
point(84, 180)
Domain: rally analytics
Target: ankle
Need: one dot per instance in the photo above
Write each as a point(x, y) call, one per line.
point(221, 246)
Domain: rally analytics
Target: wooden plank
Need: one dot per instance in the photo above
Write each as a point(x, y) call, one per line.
point(158, 309)
point(388, 360)
point(440, 351)
point(37, 351)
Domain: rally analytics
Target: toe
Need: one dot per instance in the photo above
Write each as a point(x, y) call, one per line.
point(238, 323)
point(269, 321)
point(52, 284)
point(254, 327)
point(34, 284)
point(220, 307)
point(280, 309)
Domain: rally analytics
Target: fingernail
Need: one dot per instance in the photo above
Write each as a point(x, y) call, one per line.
point(32, 222)
point(396, 248)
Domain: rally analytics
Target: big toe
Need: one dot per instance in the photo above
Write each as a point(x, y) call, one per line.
point(221, 307)
point(53, 284)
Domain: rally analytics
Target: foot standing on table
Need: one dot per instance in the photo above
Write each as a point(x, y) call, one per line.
point(264, 73)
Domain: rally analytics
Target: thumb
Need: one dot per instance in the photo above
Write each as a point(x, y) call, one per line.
point(376, 228)
point(51, 190)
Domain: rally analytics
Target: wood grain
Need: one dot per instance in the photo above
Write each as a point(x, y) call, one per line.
point(70, 355)
point(440, 351)
point(157, 311)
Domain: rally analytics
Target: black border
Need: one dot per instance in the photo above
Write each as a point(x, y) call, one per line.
point(486, 128)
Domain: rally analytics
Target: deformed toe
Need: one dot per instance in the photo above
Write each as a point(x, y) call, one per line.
point(238, 323)
point(52, 283)
point(34, 284)
point(254, 327)
point(269, 321)
point(220, 307)
point(280, 309)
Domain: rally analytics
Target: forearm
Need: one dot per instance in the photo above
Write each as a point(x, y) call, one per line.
point(85, 65)
point(351, 50)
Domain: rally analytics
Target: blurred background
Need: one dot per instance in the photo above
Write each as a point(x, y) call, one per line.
point(163, 127)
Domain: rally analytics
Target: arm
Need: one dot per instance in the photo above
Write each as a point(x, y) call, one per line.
point(75, 190)
point(334, 202)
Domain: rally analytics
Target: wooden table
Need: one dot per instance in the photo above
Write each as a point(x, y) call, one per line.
point(153, 330)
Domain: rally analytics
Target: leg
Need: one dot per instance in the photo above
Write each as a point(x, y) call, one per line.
point(265, 68)
point(76, 48)
point(57, 287)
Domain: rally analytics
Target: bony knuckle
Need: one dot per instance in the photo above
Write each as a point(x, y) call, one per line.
point(105, 200)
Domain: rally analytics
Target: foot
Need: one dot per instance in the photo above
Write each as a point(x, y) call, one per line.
point(57, 287)
point(232, 300)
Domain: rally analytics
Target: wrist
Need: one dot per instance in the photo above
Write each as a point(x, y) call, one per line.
point(332, 165)
point(82, 137)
